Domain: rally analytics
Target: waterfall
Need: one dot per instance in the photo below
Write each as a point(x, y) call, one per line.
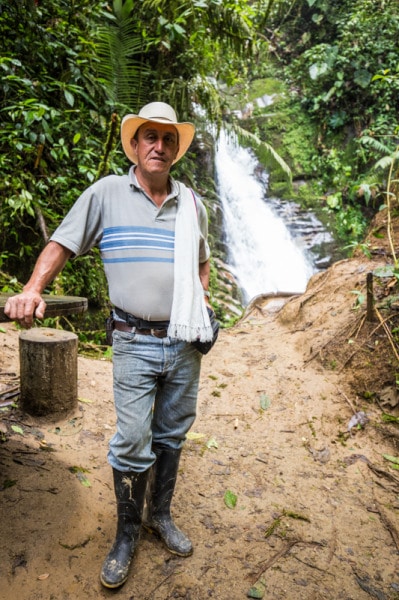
point(262, 254)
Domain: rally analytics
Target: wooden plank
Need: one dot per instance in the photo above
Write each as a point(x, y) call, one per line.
point(56, 305)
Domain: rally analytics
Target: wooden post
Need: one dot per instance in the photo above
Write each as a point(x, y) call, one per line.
point(370, 297)
point(48, 370)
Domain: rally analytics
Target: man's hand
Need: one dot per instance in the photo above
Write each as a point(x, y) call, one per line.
point(29, 304)
point(25, 307)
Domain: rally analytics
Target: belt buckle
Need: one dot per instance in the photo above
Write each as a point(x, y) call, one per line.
point(158, 333)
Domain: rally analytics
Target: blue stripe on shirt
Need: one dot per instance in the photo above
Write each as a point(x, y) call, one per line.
point(124, 244)
point(142, 230)
point(145, 240)
point(137, 259)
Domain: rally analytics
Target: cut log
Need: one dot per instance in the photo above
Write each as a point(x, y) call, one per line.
point(57, 306)
point(48, 370)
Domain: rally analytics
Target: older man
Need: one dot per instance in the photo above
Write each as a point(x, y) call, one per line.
point(152, 234)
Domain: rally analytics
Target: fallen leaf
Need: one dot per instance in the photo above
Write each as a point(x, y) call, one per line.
point(230, 499)
point(389, 418)
point(83, 480)
point(195, 436)
point(392, 459)
point(265, 401)
point(257, 590)
point(212, 443)
point(80, 474)
point(78, 470)
point(85, 401)
point(17, 429)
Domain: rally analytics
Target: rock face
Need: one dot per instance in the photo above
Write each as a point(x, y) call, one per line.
point(228, 295)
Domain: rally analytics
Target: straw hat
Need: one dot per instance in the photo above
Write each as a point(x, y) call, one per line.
point(157, 112)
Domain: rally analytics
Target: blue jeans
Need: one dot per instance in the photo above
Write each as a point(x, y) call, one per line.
point(155, 394)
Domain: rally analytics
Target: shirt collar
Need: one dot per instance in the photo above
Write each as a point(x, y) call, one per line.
point(133, 182)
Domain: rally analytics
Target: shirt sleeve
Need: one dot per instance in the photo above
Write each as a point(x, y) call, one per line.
point(82, 227)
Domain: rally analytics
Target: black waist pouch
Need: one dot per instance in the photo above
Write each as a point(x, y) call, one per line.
point(109, 328)
point(204, 347)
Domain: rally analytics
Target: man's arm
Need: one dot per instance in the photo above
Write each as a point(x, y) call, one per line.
point(204, 272)
point(29, 304)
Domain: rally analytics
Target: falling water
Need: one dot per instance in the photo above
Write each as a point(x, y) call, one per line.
point(262, 253)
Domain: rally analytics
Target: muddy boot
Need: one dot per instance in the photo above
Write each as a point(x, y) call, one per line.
point(130, 492)
point(159, 520)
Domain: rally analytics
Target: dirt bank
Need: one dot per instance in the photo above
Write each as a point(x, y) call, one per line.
point(316, 505)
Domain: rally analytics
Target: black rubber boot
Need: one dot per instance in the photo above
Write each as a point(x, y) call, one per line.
point(159, 520)
point(130, 493)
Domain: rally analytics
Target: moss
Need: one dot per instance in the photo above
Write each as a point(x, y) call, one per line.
point(238, 97)
point(291, 133)
point(267, 86)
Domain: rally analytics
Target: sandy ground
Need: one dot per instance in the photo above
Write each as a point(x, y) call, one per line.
point(316, 506)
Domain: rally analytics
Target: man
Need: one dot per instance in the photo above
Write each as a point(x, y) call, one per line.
point(152, 234)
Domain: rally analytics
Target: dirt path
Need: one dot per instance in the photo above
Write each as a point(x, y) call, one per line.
point(313, 519)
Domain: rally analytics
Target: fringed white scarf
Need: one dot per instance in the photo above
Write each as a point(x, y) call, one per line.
point(189, 318)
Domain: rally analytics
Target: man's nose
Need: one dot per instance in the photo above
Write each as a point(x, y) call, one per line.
point(159, 145)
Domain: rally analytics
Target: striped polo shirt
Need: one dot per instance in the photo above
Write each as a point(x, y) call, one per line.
point(136, 240)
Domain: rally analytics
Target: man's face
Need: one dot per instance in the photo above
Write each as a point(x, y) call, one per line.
point(156, 147)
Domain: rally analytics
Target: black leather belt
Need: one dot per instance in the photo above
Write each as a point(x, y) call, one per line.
point(158, 333)
point(140, 323)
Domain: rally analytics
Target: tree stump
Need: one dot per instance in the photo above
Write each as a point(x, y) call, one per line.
point(48, 370)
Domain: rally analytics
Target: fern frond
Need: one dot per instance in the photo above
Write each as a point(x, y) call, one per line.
point(383, 164)
point(230, 23)
point(375, 144)
point(119, 48)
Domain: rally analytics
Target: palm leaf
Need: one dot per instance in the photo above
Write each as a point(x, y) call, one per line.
point(119, 49)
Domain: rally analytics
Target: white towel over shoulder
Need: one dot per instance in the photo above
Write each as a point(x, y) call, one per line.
point(189, 319)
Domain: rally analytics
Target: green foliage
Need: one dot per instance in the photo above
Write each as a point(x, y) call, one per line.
point(85, 277)
point(53, 121)
point(194, 44)
point(349, 221)
point(334, 51)
point(120, 47)
point(69, 72)
point(290, 132)
point(340, 63)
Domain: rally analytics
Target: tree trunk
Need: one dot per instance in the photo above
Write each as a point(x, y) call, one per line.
point(48, 370)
